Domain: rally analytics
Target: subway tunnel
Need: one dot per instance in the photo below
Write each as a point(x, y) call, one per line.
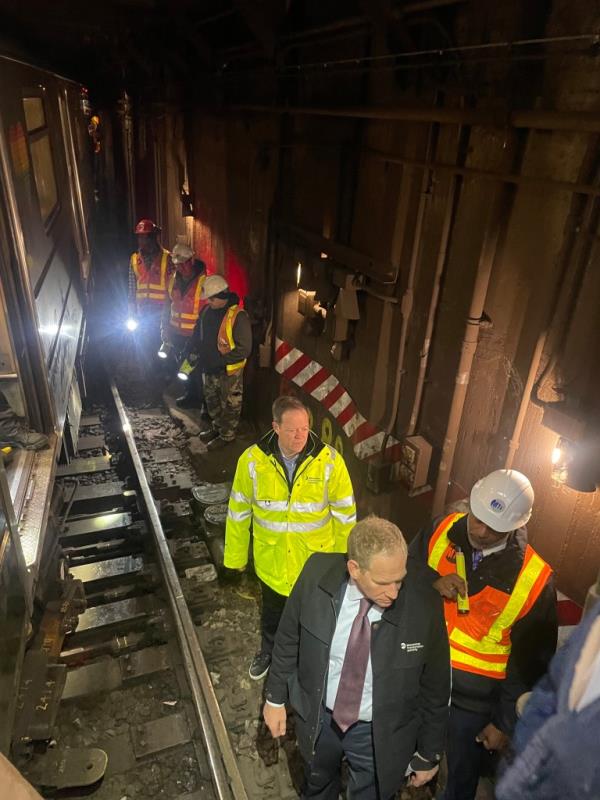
point(404, 196)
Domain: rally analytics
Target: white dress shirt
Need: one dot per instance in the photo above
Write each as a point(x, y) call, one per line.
point(339, 643)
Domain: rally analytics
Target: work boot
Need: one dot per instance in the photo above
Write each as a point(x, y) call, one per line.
point(208, 434)
point(259, 666)
point(187, 402)
point(217, 443)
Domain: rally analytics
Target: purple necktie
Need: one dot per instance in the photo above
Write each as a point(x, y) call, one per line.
point(477, 558)
point(352, 680)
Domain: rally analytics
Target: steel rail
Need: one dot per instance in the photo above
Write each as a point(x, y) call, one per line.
point(222, 761)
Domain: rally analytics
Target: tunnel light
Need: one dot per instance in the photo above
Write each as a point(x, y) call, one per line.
point(562, 457)
point(298, 273)
point(182, 376)
point(556, 454)
point(324, 256)
point(131, 324)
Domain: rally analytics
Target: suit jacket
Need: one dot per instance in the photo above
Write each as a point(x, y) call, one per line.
point(409, 658)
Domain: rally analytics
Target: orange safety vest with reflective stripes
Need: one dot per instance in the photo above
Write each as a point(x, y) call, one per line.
point(226, 340)
point(480, 640)
point(150, 286)
point(185, 308)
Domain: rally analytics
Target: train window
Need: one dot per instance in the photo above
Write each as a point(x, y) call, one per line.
point(43, 170)
point(34, 113)
point(41, 155)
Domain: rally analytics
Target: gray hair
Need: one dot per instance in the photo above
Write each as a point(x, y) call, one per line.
point(374, 536)
point(286, 403)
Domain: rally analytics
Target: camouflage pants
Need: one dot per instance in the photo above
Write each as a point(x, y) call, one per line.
point(223, 398)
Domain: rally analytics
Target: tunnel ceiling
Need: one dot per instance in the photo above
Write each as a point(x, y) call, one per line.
point(148, 45)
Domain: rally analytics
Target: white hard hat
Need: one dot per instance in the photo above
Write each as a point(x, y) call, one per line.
point(213, 285)
point(503, 500)
point(181, 253)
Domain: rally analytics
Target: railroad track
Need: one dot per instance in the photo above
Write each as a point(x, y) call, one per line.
point(144, 694)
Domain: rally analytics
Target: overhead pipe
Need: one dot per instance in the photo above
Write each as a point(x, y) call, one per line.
point(514, 442)
point(406, 304)
point(581, 121)
point(435, 295)
point(468, 348)
point(504, 177)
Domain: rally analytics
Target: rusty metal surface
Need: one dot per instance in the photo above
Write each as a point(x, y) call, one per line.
point(100, 677)
point(117, 613)
point(125, 568)
point(81, 466)
point(160, 734)
point(93, 525)
point(91, 442)
point(39, 697)
point(144, 662)
point(32, 525)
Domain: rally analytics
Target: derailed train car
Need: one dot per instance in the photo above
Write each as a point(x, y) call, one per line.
point(46, 204)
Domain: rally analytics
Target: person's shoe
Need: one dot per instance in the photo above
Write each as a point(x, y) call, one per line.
point(259, 666)
point(208, 434)
point(218, 442)
point(187, 402)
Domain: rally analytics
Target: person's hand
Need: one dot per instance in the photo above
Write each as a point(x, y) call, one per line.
point(223, 346)
point(492, 738)
point(451, 585)
point(422, 776)
point(275, 719)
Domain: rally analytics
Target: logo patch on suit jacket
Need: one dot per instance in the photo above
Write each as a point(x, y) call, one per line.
point(451, 555)
point(411, 647)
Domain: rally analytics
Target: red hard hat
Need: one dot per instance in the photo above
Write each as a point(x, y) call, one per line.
point(146, 226)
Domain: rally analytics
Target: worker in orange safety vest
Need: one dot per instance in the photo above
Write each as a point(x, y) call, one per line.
point(150, 267)
point(219, 347)
point(500, 609)
point(180, 314)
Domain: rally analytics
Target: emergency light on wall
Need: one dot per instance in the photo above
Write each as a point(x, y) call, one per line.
point(562, 458)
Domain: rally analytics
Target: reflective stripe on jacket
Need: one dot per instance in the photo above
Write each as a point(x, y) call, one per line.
point(185, 308)
point(288, 525)
point(151, 284)
point(480, 640)
point(226, 340)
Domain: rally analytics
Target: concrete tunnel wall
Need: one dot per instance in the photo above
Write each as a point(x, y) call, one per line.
point(248, 169)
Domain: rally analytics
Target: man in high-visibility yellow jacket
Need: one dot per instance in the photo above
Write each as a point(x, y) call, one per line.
point(296, 494)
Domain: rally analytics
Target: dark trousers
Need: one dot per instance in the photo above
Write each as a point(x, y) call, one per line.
point(272, 609)
point(323, 774)
point(466, 758)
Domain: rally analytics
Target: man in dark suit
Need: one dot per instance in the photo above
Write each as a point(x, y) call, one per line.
point(361, 656)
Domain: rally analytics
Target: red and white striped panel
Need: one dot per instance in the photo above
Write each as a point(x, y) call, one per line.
point(319, 383)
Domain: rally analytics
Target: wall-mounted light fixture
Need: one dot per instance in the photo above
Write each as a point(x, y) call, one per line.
point(298, 274)
point(563, 455)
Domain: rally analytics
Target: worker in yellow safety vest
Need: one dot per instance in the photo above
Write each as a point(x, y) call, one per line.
point(180, 314)
point(295, 493)
point(219, 347)
point(500, 609)
point(150, 267)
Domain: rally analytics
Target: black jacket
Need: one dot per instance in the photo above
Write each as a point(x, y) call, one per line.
point(409, 658)
point(533, 637)
point(203, 341)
